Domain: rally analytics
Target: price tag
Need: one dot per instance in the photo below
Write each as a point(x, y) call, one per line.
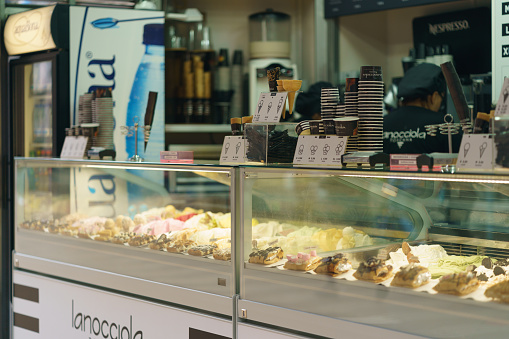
point(320, 150)
point(74, 147)
point(475, 153)
point(270, 107)
point(234, 150)
point(502, 108)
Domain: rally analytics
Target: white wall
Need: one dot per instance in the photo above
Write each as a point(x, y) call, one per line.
point(383, 38)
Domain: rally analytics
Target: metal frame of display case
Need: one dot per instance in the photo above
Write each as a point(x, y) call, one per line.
point(198, 283)
point(323, 306)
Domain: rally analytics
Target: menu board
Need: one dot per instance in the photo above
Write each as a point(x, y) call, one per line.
point(500, 47)
point(335, 8)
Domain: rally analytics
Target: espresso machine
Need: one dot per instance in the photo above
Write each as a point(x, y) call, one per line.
point(269, 47)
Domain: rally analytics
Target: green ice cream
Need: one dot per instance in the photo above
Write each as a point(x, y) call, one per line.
point(454, 264)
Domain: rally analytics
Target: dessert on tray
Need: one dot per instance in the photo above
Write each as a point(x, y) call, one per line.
point(457, 283)
point(179, 246)
point(160, 243)
point(302, 261)
point(201, 250)
point(141, 239)
point(334, 265)
point(224, 254)
point(266, 256)
point(411, 276)
point(499, 292)
point(374, 270)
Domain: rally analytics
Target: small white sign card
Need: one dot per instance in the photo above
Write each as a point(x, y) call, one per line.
point(502, 108)
point(270, 107)
point(323, 150)
point(74, 147)
point(234, 150)
point(475, 153)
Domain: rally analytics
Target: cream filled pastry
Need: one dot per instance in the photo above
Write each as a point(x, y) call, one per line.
point(266, 256)
point(302, 261)
point(334, 265)
point(457, 284)
point(374, 270)
point(499, 291)
point(411, 276)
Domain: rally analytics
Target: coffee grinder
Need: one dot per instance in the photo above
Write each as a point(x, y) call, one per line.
point(269, 47)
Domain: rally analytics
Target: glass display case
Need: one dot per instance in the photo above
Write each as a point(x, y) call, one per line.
point(313, 252)
point(342, 252)
point(99, 223)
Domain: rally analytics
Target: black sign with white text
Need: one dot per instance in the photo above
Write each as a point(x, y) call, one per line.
point(505, 51)
point(505, 8)
point(505, 29)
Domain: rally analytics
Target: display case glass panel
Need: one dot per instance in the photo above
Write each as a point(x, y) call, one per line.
point(386, 249)
point(158, 223)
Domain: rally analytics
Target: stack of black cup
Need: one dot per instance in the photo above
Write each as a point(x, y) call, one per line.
point(370, 109)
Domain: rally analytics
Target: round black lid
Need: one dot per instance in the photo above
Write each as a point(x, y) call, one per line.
point(269, 12)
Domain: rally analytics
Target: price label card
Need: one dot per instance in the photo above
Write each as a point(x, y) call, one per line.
point(234, 150)
point(502, 108)
point(270, 107)
point(323, 150)
point(74, 147)
point(475, 153)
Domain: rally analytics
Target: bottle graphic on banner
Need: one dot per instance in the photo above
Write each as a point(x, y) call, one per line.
point(149, 78)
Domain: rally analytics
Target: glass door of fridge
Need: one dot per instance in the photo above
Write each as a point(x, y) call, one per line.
point(33, 108)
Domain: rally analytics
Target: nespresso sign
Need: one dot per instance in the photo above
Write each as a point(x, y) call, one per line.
point(446, 27)
point(29, 31)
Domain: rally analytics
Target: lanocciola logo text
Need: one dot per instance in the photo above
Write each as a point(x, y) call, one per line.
point(95, 327)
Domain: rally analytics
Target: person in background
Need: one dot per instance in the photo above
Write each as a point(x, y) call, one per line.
point(421, 93)
point(307, 104)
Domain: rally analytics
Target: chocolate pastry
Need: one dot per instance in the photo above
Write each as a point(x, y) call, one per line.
point(140, 240)
point(122, 238)
point(201, 250)
point(160, 243)
point(334, 266)
point(486, 262)
point(411, 276)
point(266, 256)
point(224, 254)
point(457, 284)
point(499, 291)
point(179, 246)
point(374, 270)
point(498, 270)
